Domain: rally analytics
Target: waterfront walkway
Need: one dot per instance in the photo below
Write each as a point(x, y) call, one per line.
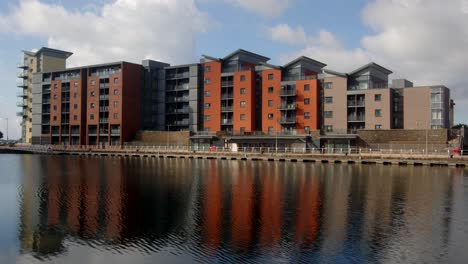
point(352, 156)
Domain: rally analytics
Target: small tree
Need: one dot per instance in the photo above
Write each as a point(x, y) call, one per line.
point(458, 126)
point(1, 135)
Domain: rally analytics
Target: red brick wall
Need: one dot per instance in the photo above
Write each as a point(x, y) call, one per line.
point(312, 107)
point(249, 97)
point(214, 88)
point(276, 84)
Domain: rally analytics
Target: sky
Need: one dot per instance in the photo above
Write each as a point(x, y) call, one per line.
point(424, 41)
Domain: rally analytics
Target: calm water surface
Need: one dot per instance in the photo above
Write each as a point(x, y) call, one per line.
point(60, 209)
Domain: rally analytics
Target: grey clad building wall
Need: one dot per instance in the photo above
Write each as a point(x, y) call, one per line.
point(37, 108)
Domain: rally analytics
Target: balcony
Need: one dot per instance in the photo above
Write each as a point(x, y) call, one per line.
point(184, 122)
point(22, 75)
point(226, 121)
point(92, 131)
point(46, 101)
point(178, 99)
point(104, 109)
point(115, 131)
point(356, 103)
point(299, 77)
point(21, 104)
point(104, 97)
point(356, 118)
point(178, 75)
point(22, 65)
point(22, 113)
point(104, 132)
point(22, 94)
point(288, 92)
point(104, 86)
point(103, 120)
point(181, 111)
point(287, 107)
point(227, 96)
point(178, 87)
point(226, 108)
point(227, 84)
point(21, 84)
point(288, 120)
point(46, 90)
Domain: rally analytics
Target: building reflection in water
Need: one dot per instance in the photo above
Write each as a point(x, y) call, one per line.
point(330, 212)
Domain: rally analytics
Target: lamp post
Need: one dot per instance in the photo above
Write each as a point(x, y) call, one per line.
point(6, 118)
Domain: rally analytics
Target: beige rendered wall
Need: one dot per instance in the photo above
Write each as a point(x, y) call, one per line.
point(417, 108)
point(384, 105)
point(339, 121)
point(31, 61)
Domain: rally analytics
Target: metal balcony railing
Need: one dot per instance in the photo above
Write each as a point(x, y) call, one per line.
point(226, 108)
point(227, 83)
point(104, 97)
point(104, 109)
point(227, 96)
point(226, 121)
point(22, 65)
point(22, 75)
point(103, 120)
point(288, 92)
point(356, 103)
point(287, 107)
point(115, 131)
point(22, 94)
point(21, 84)
point(178, 75)
point(284, 120)
point(358, 118)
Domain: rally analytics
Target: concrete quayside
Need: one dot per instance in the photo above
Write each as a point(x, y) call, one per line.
point(361, 156)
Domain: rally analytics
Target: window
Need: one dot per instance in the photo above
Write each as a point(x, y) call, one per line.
point(270, 76)
point(436, 113)
point(116, 104)
point(328, 114)
point(207, 106)
point(116, 116)
point(270, 103)
point(92, 93)
point(55, 118)
point(55, 107)
point(270, 116)
point(55, 96)
point(207, 118)
point(242, 129)
point(306, 115)
point(75, 95)
point(55, 86)
point(116, 80)
point(75, 117)
point(242, 117)
point(328, 85)
point(306, 101)
point(307, 87)
point(328, 128)
point(378, 112)
point(91, 117)
point(242, 90)
point(328, 100)
point(307, 129)
point(93, 82)
point(378, 126)
point(242, 78)
point(378, 97)
point(270, 129)
point(242, 104)
point(207, 80)
point(207, 68)
point(92, 105)
point(116, 91)
point(75, 84)
point(75, 106)
point(207, 93)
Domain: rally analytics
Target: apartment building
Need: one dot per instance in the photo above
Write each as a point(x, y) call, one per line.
point(92, 105)
point(45, 59)
point(243, 94)
point(423, 107)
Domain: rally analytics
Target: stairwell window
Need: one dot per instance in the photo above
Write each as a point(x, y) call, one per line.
point(116, 80)
point(242, 117)
point(270, 103)
point(306, 101)
point(242, 91)
point(328, 114)
point(329, 100)
point(270, 90)
point(378, 97)
point(307, 87)
point(306, 115)
point(270, 116)
point(270, 76)
point(116, 116)
point(242, 78)
point(116, 91)
point(207, 80)
point(207, 118)
point(207, 68)
point(378, 126)
point(242, 104)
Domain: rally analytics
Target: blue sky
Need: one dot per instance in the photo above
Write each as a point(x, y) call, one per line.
point(423, 41)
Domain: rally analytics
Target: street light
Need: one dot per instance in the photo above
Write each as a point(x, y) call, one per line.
point(6, 118)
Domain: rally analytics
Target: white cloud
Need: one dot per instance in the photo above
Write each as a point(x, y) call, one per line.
point(267, 8)
point(121, 30)
point(423, 41)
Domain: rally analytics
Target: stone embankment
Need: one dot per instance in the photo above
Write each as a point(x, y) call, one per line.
point(402, 159)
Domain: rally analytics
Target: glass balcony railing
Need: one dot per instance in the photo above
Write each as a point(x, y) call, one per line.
point(287, 107)
point(226, 121)
point(226, 108)
point(288, 92)
point(356, 118)
point(357, 103)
